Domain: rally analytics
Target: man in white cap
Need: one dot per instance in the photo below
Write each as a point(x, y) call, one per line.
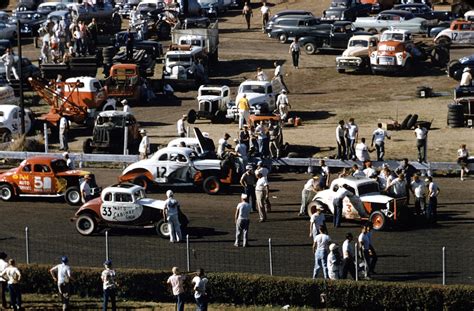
point(466, 78)
point(69, 161)
point(309, 190)
point(242, 221)
point(126, 107)
point(144, 147)
point(283, 105)
point(181, 126)
point(171, 215)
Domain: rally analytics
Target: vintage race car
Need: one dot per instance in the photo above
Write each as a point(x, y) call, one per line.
point(366, 204)
point(460, 32)
point(44, 176)
point(181, 166)
point(123, 206)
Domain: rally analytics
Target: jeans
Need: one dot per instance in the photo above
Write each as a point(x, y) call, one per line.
point(351, 148)
point(380, 149)
point(247, 19)
point(180, 302)
point(296, 58)
point(109, 294)
point(201, 303)
point(341, 149)
point(306, 196)
point(250, 192)
point(366, 261)
point(431, 213)
point(337, 213)
point(241, 229)
point(63, 143)
point(421, 146)
point(15, 296)
point(175, 228)
point(264, 147)
point(320, 261)
point(419, 205)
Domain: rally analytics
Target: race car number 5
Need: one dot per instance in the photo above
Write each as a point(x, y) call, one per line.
point(106, 211)
point(42, 183)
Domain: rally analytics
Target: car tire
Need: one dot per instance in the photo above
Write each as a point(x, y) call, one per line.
point(192, 116)
point(141, 181)
point(453, 68)
point(87, 146)
point(311, 208)
point(6, 192)
point(341, 70)
point(403, 125)
point(310, 48)
point(378, 220)
point(444, 41)
point(162, 229)
point(283, 38)
point(73, 196)
point(86, 224)
point(211, 185)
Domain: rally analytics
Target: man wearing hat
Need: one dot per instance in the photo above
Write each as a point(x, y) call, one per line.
point(283, 105)
point(62, 275)
point(466, 78)
point(108, 285)
point(308, 192)
point(126, 107)
point(69, 161)
point(181, 126)
point(242, 213)
point(248, 181)
point(3, 282)
point(85, 188)
point(144, 147)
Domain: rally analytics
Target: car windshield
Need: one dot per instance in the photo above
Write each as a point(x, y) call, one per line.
point(179, 58)
point(390, 36)
point(360, 43)
point(249, 88)
point(368, 188)
point(115, 120)
point(211, 92)
point(59, 165)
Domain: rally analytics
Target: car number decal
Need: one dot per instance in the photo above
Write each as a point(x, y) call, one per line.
point(42, 184)
point(117, 213)
point(160, 172)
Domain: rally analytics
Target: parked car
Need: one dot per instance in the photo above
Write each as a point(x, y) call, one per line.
point(213, 102)
point(5, 17)
point(424, 11)
point(379, 5)
point(44, 176)
point(290, 26)
point(460, 32)
point(273, 19)
point(27, 5)
point(346, 10)
point(366, 204)
point(30, 22)
point(10, 117)
point(456, 67)
point(392, 18)
point(356, 56)
point(124, 206)
point(48, 7)
point(8, 31)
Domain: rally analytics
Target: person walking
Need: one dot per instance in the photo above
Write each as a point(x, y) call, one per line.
point(171, 214)
point(3, 282)
point(334, 262)
point(341, 141)
point(348, 257)
point(310, 188)
point(9, 61)
point(248, 181)
point(324, 175)
point(378, 137)
point(244, 111)
point(109, 286)
point(242, 221)
point(283, 105)
point(261, 193)
point(362, 151)
point(295, 52)
point(176, 281)
point(63, 133)
point(462, 160)
point(372, 254)
point(144, 147)
point(265, 12)
point(418, 189)
point(352, 136)
point(247, 13)
point(12, 276)
point(433, 192)
point(200, 295)
point(85, 188)
point(340, 194)
point(317, 221)
point(364, 245)
point(62, 275)
point(320, 249)
point(421, 135)
point(278, 76)
point(181, 126)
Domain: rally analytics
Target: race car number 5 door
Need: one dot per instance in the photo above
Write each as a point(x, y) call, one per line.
point(42, 179)
point(121, 209)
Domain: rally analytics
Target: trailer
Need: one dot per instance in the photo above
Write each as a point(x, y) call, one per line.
point(206, 38)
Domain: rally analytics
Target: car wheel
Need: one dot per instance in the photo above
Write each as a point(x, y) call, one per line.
point(141, 181)
point(6, 192)
point(73, 196)
point(341, 70)
point(378, 220)
point(85, 224)
point(87, 146)
point(211, 185)
point(162, 229)
point(310, 48)
point(6, 137)
point(192, 116)
point(443, 41)
point(311, 208)
point(283, 38)
point(373, 31)
point(454, 68)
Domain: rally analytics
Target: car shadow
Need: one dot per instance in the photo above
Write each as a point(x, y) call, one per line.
point(200, 232)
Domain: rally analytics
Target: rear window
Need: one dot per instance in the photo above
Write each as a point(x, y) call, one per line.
point(368, 188)
point(123, 197)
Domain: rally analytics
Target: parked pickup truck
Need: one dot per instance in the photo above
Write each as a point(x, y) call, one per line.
point(356, 56)
point(346, 10)
point(335, 38)
point(213, 102)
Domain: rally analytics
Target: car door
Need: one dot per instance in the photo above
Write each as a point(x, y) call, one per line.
point(25, 179)
point(15, 120)
point(120, 207)
point(161, 168)
point(340, 36)
point(43, 179)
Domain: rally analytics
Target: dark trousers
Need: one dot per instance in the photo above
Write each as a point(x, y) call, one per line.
point(180, 302)
point(201, 303)
point(15, 296)
point(419, 205)
point(296, 58)
point(348, 266)
point(264, 20)
point(431, 213)
point(250, 192)
point(64, 292)
point(421, 146)
point(373, 259)
point(337, 213)
point(109, 294)
point(341, 149)
point(4, 289)
point(380, 149)
point(247, 19)
point(129, 51)
point(351, 148)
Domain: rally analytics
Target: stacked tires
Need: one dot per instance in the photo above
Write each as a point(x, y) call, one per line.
point(455, 115)
point(107, 56)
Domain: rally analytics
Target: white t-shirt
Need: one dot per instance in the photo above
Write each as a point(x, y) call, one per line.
point(310, 184)
point(222, 146)
point(262, 76)
point(64, 273)
point(261, 184)
point(282, 99)
point(466, 79)
point(322, 241)
point(180, 126)
point(11, 274)
point(339, 134)
point(3, 265)
point(176, 282)
point(63, 124)
point(244, 210)
point(241, 149)
point(172, 207)
point(264, 9)
point(433, 188)
point(364, 241)
point(144, 145)
point(262, 170)
point(278, 71)
point(369, 172)
point(462, 153)
point(420, 133)
point(418, 188)
point(316, 222)
point(379, 135)
point(347, 249)
point(85, 188)
point(108, 278)
point(199, 286)
point(398, 187)
point(352, 130)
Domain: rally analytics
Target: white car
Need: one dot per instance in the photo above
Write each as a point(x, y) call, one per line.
point(392, 19)
point(213, 102)
point(356, 56)
point(460, 32)
point(366, 204)
point(10, 121)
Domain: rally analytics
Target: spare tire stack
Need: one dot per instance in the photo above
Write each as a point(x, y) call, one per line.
point(108, 54)
point(455, 115)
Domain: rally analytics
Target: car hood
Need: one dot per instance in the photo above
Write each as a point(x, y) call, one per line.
point(208, 97)
point(207, 164)
point(158, 204)
point(376, 198)
point(10, 172)
point(467, 60)
point(355, 51)
point(79, 173)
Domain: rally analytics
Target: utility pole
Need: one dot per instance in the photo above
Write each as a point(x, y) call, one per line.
point(20, 72)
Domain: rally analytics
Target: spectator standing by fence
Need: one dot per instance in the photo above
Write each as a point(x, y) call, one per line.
point(181, 126)
point(348, 255)
point(13, 276)
point(320, 249)
point(62, 275)
point(176, 282)
point(63, 133)
point(242, 221)
point(171, 214)
point(247, 13)
point(200, 295)
point(3, 282)
point(109, 285)
point(463, 155)
point(433, 192)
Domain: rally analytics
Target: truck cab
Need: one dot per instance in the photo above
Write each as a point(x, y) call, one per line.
point(213, 102)
point(180, 63)
point(394, 52)
point(356, 56)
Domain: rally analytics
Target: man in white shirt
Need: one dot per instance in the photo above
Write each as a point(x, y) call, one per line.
point(261, 194)
point(181, 126)
point(421, 135)
point(378, 137)
point(3, 282)
point(352, 136)
point(364, 244)
point(309, 190)
point(466, 78)
point(356, 172)
point(144, 147)
point(85, 188)
point(369, 171)
point(418, 188)
point(397, 187)
point(317, 221)
point(241, 153)
point(261, 75)
point(171, 214)
point(283, 105)
point(63, 133)
point(69, 161)
point(176, 282)
point(433, 192)
point(13, 276)
point(341, 193)
point(321, 249)
point(362, 151)
point(242, 213)
point(278, 75)
point(108, 284)
point(295, 52)
point(341, 140)
point(126, 106)
point(265, 11)
point(62, 275)
point(200, 282)
point(348, 256)
point(223, 146)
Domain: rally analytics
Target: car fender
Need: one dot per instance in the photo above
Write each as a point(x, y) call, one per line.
point(134, 173)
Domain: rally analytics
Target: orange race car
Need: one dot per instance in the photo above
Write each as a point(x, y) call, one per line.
point(44, 176)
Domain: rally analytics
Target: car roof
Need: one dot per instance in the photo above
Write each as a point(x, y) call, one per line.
point(255, 82)
point(363, 37)
point(299, 17)
point(407, 5)
point(356, 181)
point(124, 187)
point(43, 159)
point(58, 13)
point(183, 150)
point(113, 113)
